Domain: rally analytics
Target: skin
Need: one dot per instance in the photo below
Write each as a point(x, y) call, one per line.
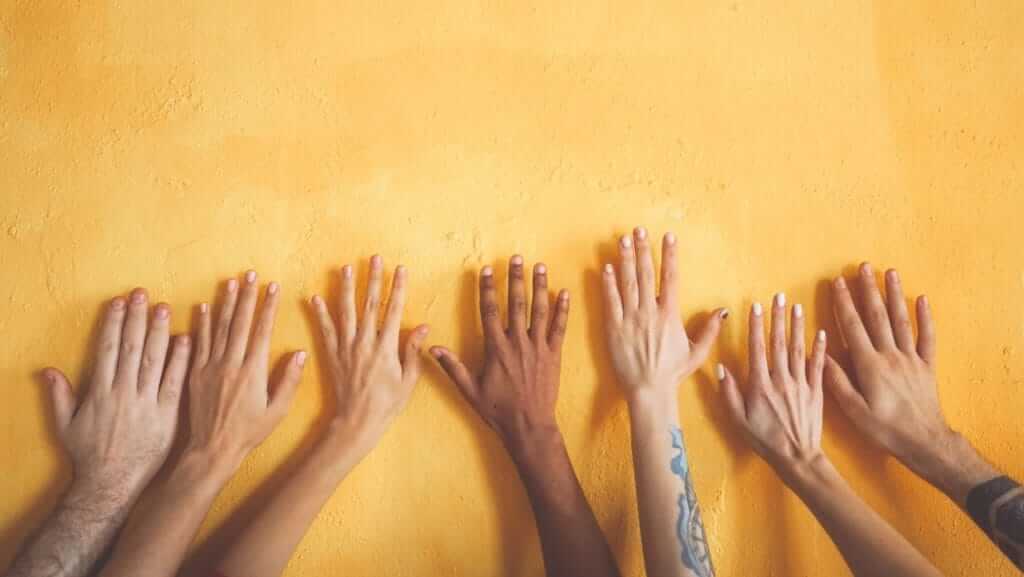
point(515, 393)
point(232, 409)
point(781, 416)
point(117, 436)
point(652, 354)
point(890, 394)
point(373, 377)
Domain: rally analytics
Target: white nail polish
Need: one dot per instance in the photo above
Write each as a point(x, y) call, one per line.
point(608, 269)
point(541, 269)
point(798, 311)
point(627, 242)
point(780, 300)
point(641, 233)
point(720, 372)
point(821, 336)
point(757, 309)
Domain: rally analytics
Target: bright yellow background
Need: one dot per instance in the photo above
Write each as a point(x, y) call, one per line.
point(172, 144)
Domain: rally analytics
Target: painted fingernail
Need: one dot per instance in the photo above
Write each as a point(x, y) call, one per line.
point(626, 242)
point(203, 308)
point(117, 304)
point(724, 314)
point(720, 371)
point(346, 271)
point(486, 271)
point(300, 358)
point(376, 260)
point(780, 299)
point(541, 269)
point(272, 288)
point(250, 276)
point(138, 296)
point(517, 260)
point(641, 233)
point(798, 310)
point(821, 336)
point(232, 285)
point(161, 312)
point(608, 269)
point(670, 238)
point(757, 309)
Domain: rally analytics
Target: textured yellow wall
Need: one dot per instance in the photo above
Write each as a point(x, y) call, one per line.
point(171, 144)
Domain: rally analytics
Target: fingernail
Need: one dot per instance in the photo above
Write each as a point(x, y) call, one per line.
point(436, 352)
point(486, 271)
point(564, 295)
point(184, 340)
point(117, 304)
point(780, 299)
point(517, 260)
point(608, 269)
point(866, 268)
point(161, 312)
point(272, 288)
point(316, 300)
point(250, 276)
point(893, 275)
point(541, 269)
point(840, 283)
point(423, 330)
point(924, 301)
point(757, 309)
point(400, 270)
point(798, 310)
point(51, 379)
point(641, 233)
point(203, 308)
point(376, 260)
point(232, 285)
point(300, 358)
point(720, 371)
point(670, 238)
point(724, 314)
point(626, 242)
point(138, 296)
point(821, 336)
point(347, 271)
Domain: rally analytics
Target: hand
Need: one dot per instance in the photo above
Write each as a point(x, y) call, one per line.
point(649, 347)
point(372, 376)
point(516, 391)
point(892, 397)
point(232, 409)
point(781, 413)
point(120, 434)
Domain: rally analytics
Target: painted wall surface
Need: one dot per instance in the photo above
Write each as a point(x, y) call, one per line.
point(172, 144)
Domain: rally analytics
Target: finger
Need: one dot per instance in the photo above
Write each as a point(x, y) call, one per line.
point(155, 352)
point(227, 311)
point(816, 364)
point(516, 297)
point(667, 297)
point(261, 336)
point(756, 345)
point(348, 319)
point(490, 314)
point(647, 292)
point(241, 324)
point(780, 360)
point(878, 325)
point(733, 398)
point(284, 390)
point(63, 399)
point(559, 322)
point(109, 345)
point(368, 327)
point(174, 374)
point(612, 299)
point(850, 325)
point(133, 338)
point(628, 275)
point(902, 329)
point(396, 305)
point(706, 339)
point(326, 324)
point(203, 335)
point(797, 356)
point(411, 366)
point(541, 302)
point(456, 371)
point(925, 330)
point(847, 397)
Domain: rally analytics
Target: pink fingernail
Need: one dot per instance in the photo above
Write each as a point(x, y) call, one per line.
point(840, 283)
point(138, 296)
point(541, 269)
point(161, 312)
point(272, 288)
point(670, 238)
point(250, 276)
point(300, 358)
point(486, 271)
point(117, 304)
point(627, 242)
point(232, 285)
point(376, 261)
point(517, 260)
point(346, 271)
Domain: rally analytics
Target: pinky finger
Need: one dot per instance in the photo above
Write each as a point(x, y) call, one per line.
point(174, 374)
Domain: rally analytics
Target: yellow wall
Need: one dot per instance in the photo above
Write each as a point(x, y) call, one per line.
point(171, 144)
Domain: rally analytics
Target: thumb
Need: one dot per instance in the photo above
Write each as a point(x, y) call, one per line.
point(457, 371)
point(284, 389)
point(733, 397)
point(706, 339)
point(64, 403)
point(847, 396)
point(411, 354)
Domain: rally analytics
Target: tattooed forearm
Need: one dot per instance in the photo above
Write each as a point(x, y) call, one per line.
point(689, 526)
point(997, 506)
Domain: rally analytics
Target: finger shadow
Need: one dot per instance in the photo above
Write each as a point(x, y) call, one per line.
point(607, 397)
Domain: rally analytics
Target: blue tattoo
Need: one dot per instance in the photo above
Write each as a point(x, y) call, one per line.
point(689, 527)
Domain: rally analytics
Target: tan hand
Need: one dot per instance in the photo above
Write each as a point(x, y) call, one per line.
point(649, 347)
point(120, 434)
point(372, 376)
point(781, 411)
point(517, 389)
point(232, 409)
point(892, 397)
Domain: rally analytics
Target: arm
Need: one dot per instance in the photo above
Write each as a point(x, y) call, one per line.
point(117, 438)
point(231, 410)
point(373, 378)
point(652, 354)
point(781, 415)
point(891, 397)
point(515, 394)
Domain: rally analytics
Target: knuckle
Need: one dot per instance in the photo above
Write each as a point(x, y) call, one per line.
point(490, 311)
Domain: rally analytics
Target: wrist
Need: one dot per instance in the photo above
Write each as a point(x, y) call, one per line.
point(807, 470)
point(951, 464)
point(529, 445)
point(204, 470)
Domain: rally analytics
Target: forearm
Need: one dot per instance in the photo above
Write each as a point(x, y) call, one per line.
point(870, 546)
point(155, 543)
point(950, 464)
point(571, 540)
point(78, 532)
point(671, 526)
point(270, 539)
